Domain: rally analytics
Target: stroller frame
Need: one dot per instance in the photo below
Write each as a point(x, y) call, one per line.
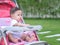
point(4, 37)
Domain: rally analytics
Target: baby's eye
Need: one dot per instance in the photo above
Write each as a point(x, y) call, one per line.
point(18, 14)
point(21, 14)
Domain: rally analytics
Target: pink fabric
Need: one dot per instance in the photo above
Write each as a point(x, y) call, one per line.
point(19, 43)
point(31, 33)
point(5, 21)
point(24, 42)
point(5, 7)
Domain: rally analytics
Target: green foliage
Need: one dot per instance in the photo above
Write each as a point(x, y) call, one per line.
point(51, 7)
point(52, 25)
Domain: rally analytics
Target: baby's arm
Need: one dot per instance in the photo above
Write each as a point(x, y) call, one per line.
point(14, 40)
point(15, 23)
point(20, 24)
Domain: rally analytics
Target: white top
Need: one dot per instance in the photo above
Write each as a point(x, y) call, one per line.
point(15, 34)
point(13, 22)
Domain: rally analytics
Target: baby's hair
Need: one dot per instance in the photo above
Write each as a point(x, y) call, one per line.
point(13, 10)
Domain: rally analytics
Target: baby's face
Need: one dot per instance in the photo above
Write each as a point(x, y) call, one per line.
point(18, 15)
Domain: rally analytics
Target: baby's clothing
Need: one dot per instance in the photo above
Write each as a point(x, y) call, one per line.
point(15, 34)
point(13, 21)
point(18, 34)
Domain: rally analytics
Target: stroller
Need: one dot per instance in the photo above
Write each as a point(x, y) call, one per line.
point(5, 6)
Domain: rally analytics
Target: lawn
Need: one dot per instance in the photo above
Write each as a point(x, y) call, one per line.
point(52, 25)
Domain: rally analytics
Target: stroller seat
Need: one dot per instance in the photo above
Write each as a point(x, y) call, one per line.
point(5, 6)
point(4, 24)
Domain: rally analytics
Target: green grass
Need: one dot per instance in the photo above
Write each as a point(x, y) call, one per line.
point(52, 25)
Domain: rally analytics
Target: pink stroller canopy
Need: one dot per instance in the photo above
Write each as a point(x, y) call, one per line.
point(5, 6)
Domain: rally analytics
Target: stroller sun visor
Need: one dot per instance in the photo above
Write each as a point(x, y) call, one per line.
point(5, 6)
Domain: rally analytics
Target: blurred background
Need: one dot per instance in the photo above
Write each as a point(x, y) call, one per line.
point(40, 8)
